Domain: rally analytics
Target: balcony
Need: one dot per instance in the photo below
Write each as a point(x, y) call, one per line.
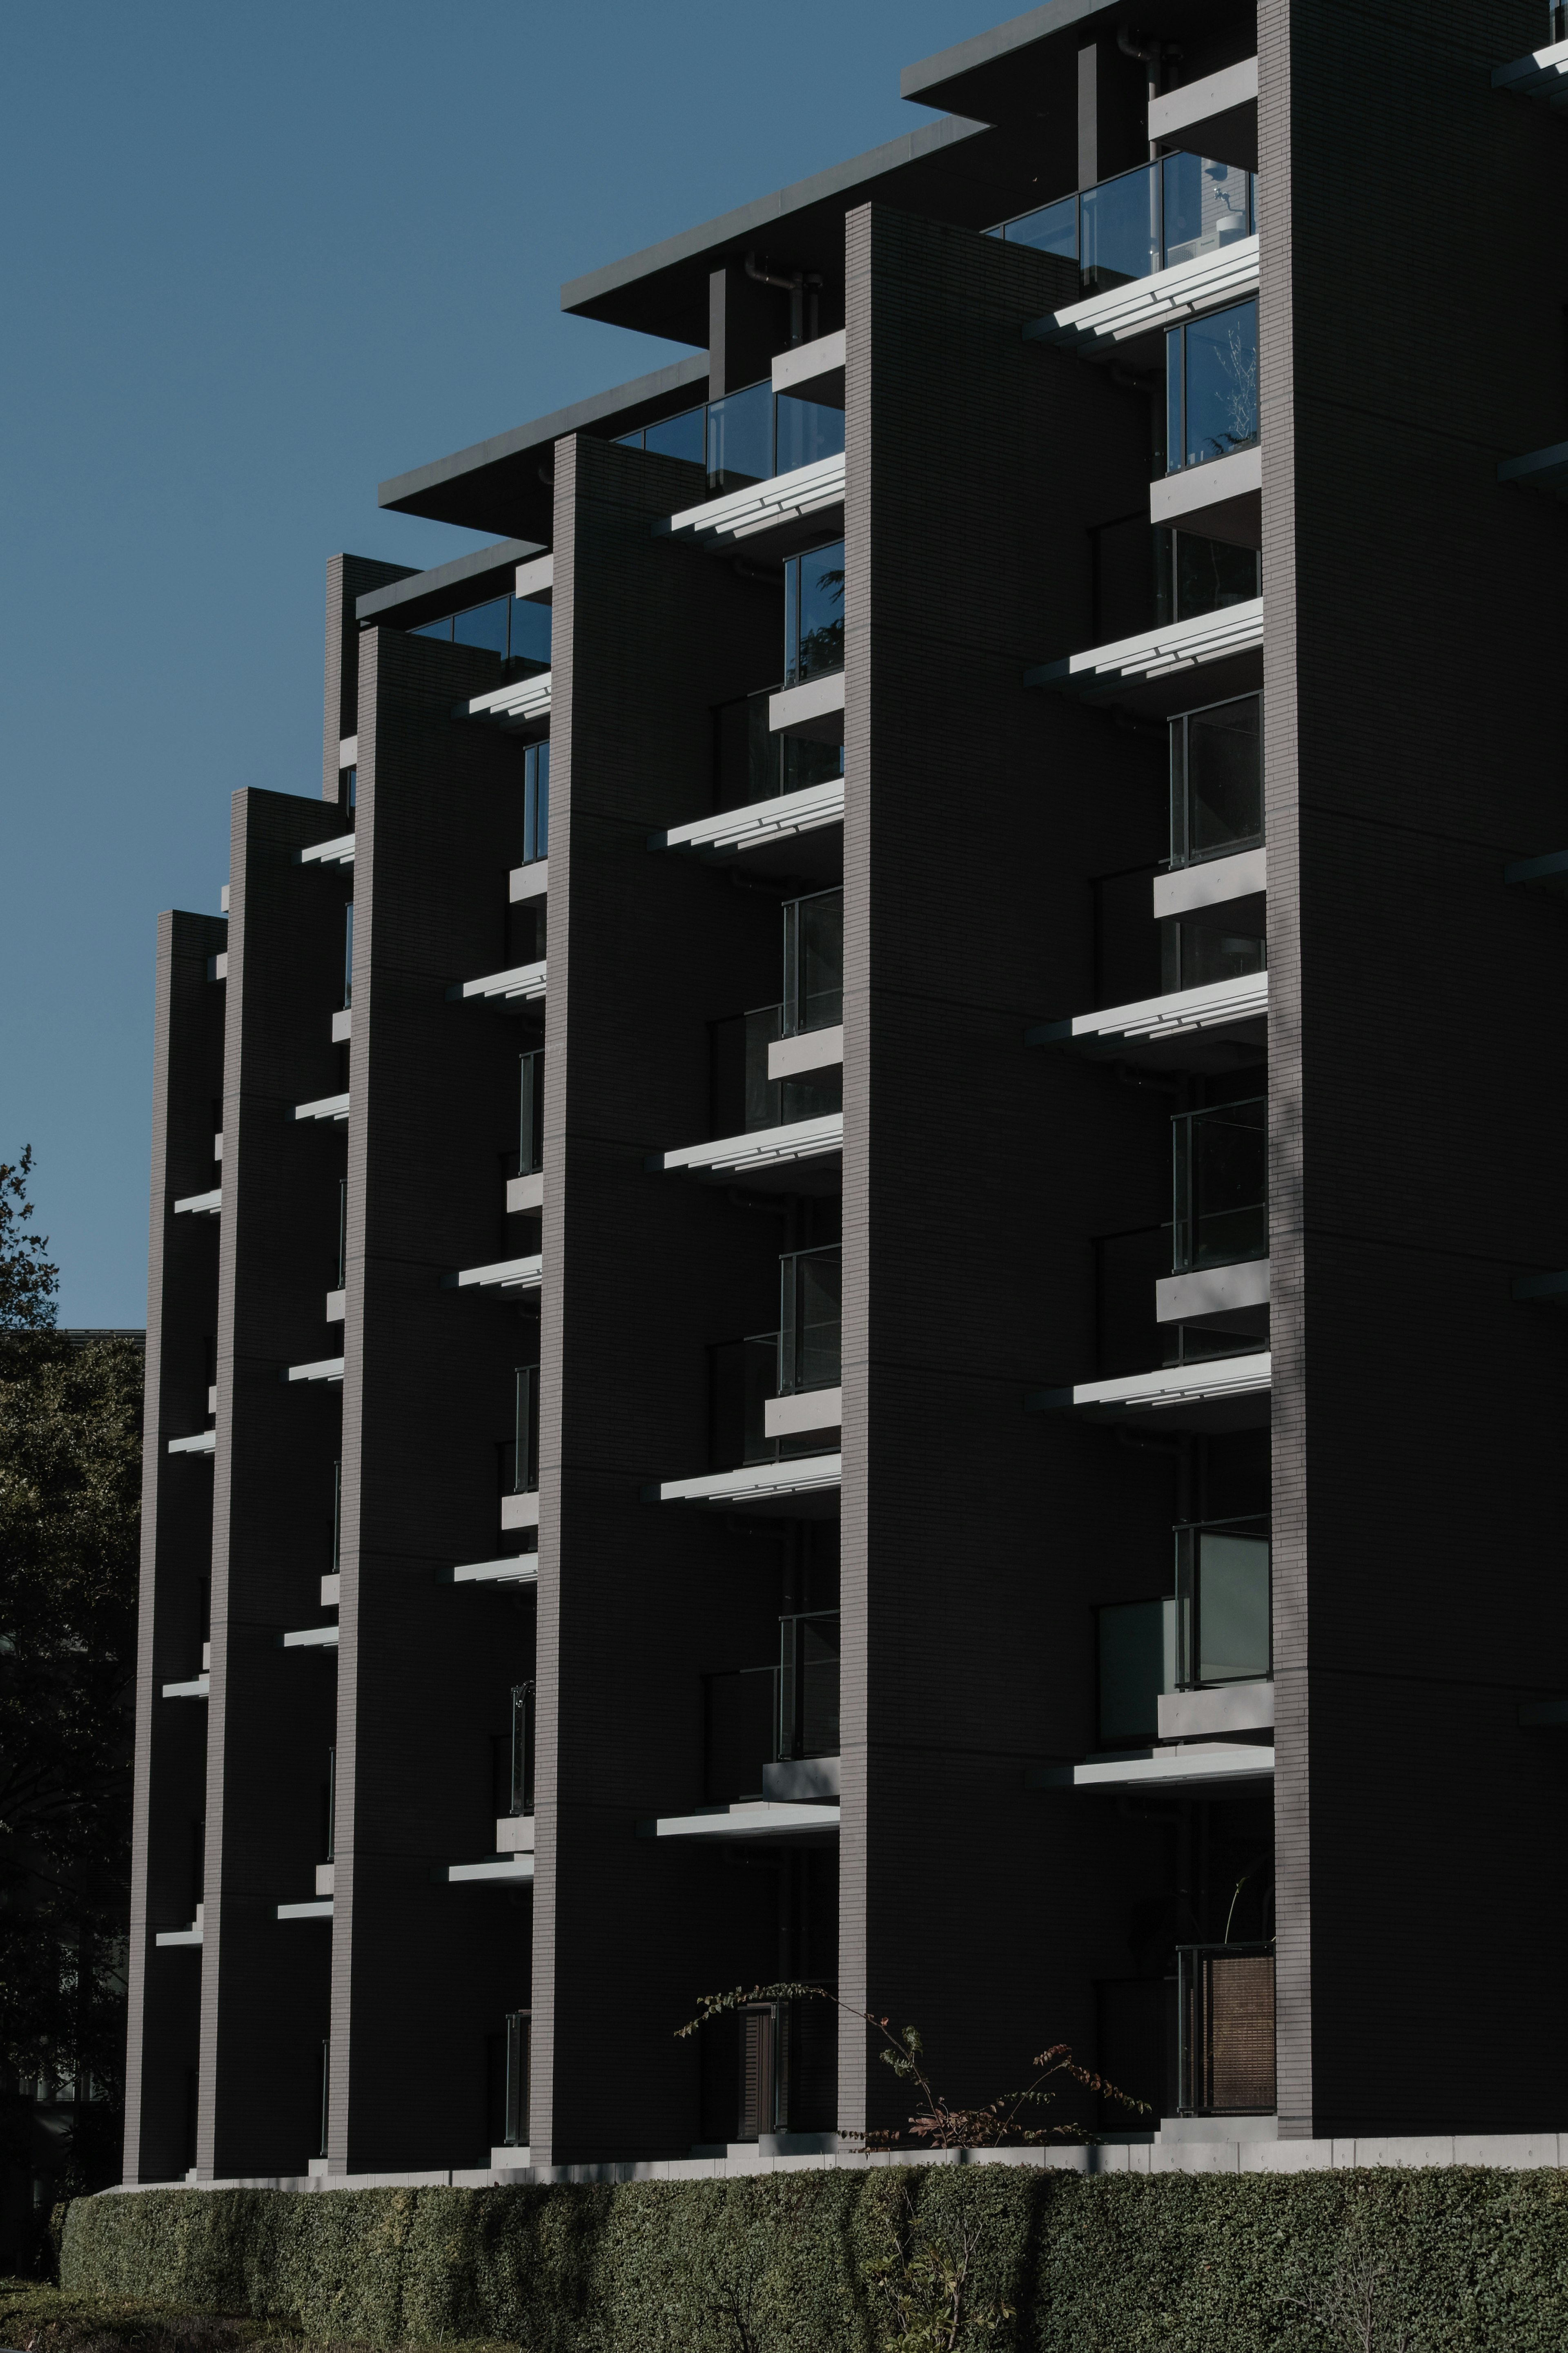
point(1541, 76)
point(756, 440)
point(783, 1715)
point(1164, 603)
point(810, 704)
point(1218, 111)
point(758, 825)
point(754, 764)
point(1211, 1027)
point(1159, 217)
point(516, 628)
point(525, 1190)
point(520, 708)
point(522, 985)
point(776, 1393)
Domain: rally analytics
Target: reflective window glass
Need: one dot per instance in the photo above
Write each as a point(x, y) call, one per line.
point(1217, 777)
point(530, 640)
point(807, 430)
point(536, 802)
point(1220, 1185)
point(813, 614)
point(1232, 1632)
point(1206, 207)
point(1212, 407)
point(1211, 573)
point(814, 962)
point(1053, 229)
point(482, 624)
point(810, 1320)
point(1122, 227)
point(740, 438)
point(442, 628)
point(678, 437)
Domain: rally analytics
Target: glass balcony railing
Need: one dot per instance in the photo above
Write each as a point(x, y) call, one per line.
point(1219, 1184)
point(774, 1715)
point(1224, 1604)
point(1225, 2009)
point(1144, 220)
point(1137, 1664)
point(1211, 387)
point(743, 1096)
point(747, 437)
point(813, 614)
point(750, 1373)
point(515, 628)
point(516, 2053)
point(1144, 577)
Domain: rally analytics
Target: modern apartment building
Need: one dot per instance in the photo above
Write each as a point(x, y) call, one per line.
point(851, 1250)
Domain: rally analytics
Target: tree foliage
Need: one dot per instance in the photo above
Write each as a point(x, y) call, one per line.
point(71, 1447)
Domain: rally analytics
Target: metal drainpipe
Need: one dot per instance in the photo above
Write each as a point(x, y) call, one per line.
point(795, 286)
point(1150, 53)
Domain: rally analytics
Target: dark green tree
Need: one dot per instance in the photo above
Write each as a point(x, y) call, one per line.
point(71, 1451)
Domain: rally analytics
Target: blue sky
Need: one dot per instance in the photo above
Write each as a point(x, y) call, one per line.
point(257, 259)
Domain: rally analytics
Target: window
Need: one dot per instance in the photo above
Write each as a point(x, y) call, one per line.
point(1211, 387)
point(536, 802)
point(1217, 780)
point(1220, 1185)
point(1223, 1603)
point(348, 955)
point(746, 437)
point(813, 614)
point(813, 963)
point(530, 1112)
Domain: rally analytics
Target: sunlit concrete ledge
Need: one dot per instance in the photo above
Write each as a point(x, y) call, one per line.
point(776, 819)
point(1140, 2152)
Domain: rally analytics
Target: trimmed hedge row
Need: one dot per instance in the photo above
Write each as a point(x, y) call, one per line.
point(1461, 2260)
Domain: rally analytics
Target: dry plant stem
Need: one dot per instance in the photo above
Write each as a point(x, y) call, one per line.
point(935, 2123)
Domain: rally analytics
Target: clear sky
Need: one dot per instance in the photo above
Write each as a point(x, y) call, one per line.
point(257, 259)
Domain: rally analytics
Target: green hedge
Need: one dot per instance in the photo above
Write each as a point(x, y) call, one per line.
point(1463, 2258)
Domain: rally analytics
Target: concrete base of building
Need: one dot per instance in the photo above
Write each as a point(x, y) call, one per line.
point(1153, 2153)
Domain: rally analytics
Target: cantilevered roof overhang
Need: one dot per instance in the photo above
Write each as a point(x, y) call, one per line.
point(956, 171)
point(496, 485)
point(1014, 72)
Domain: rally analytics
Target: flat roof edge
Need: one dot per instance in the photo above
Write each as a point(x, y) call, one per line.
point(983, 48)
point(747, 220)
point(442, 576)
point(692, 370)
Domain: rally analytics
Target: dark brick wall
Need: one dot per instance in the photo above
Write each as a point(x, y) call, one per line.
point(1415, 741)
point(423, 1971)
point(265, 1980)
point(642, 1273)
point(176, 1546)
point(349, 578)
point(977, 1539)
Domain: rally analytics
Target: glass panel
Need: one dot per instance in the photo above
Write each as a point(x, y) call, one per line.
point(805, 430)
point(811, 1295)
point(677, 436)
point(1121, 226)
point(1230, 1631)
point(808, 1684)
point(1193, 955)
point(1220, 403)
point(1206, 207)
point(519, 2029)
point(629, 440)
point(1053, 229)
point(1220, 1185)
point(813, 614)
point(482, 624)
point(814, 962)
point(442, 628)
point(536, 804)
point(525, 1440)
point(348, 786)
point(803, 762)
point(759, 1381)
point(740, 438)
point(531, 623)
point(1217, 780)
point(349, 954)
point(1211, 573)
point(1137, 1662)
point(521, 1774)
point(531, 1113)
